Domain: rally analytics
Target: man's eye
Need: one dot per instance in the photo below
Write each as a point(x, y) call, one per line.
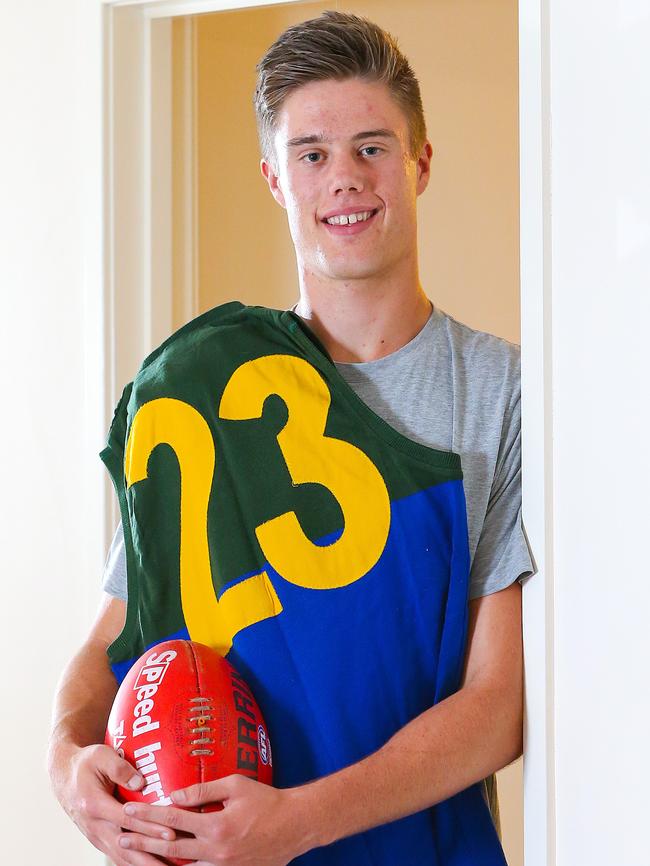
point(308, 156)
point(372, 147)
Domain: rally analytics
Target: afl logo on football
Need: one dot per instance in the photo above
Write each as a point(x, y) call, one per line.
point(263, 745)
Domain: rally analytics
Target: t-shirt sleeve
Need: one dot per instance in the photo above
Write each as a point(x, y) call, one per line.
point(503, 554)
point(114, 579)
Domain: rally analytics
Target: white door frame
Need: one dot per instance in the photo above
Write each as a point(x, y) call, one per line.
point(138, 244)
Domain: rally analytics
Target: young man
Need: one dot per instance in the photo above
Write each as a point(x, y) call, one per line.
point(372, 588)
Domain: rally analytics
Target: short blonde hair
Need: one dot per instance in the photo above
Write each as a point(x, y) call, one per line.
point(336, 45)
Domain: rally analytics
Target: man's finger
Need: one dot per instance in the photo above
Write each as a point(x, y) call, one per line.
point(165, 816)
point(106, 808)
point(146, 828)
point(182, 849)
point(107, 842)
point(103, 806)
point(135, 858)
point(119, 771)
point(206, 792)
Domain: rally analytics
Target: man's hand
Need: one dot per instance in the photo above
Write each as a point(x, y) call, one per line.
point(258, 826)
point(84, 774)
point(84, 785)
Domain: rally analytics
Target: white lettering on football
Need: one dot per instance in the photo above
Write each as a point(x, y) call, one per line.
point(147, 683)
point(145, 761)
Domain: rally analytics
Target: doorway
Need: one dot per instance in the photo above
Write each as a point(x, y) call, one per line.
point(196, 201)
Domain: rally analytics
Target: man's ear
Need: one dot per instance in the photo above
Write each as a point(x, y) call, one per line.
point(424, 167)
point(273, 181)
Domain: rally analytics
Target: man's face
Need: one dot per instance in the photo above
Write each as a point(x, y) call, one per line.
point(342, 149)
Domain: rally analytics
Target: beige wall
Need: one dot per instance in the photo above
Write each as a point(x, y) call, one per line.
point(465, 55)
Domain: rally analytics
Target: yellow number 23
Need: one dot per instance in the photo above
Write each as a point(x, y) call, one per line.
point(310, 455)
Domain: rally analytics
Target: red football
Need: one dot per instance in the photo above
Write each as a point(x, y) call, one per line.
point(183, 715)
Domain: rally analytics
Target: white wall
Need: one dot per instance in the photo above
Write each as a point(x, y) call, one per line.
point(600, 234)
point(52, 418)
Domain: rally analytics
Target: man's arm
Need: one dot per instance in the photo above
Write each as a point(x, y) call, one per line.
point(87, 687)
point(82, 770)
point(454, 744)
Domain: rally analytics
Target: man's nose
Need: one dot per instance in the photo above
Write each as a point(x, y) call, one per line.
point(346, 174)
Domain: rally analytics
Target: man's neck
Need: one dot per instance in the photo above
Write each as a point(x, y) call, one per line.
point(358, 323)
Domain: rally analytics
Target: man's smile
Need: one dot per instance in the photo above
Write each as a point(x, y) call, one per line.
point(349, 221)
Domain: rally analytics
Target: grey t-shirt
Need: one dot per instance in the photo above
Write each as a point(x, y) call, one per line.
point(454, 389)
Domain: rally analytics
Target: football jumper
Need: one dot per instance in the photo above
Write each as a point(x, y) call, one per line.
point(270, 514)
